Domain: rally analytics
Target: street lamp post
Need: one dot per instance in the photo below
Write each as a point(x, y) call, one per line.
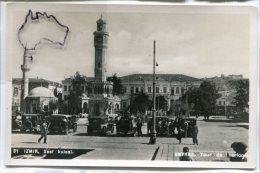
point(153, 131)
point(187, 101)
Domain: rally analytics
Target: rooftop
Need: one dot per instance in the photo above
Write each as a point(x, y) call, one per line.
point(37, 80)
point(166, 77)
point(40, 92)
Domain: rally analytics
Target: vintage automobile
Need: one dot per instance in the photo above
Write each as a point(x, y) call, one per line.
point(162, 125)
point(100, 125)
point(59, 123)
point(126, 125)
point(31, 122)
point(16, 122)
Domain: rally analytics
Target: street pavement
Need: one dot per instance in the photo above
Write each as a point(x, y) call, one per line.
point(215, 138)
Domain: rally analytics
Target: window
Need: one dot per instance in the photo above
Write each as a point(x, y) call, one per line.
point(86, 88)
point(69, 88)
point(177, 90)
point(124, 89)
point(90, 90)
point(142, 89)
point(224, 103)
point(65, 87)
point(132, 89)
point(45, 108)
point(15, 91)
point(34, 108)
point(172, 91)
point(165, 89)
point(136, 89)
point(157, 90)
point(219, 102)
point(85, 108)
point(182, 90)
point(149, 89)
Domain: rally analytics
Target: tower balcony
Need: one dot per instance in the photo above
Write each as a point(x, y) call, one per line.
point(25, 67)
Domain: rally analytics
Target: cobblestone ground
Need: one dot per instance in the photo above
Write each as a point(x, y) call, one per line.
point(215, 138)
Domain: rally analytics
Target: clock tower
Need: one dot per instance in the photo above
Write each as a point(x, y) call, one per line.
point(100, 44)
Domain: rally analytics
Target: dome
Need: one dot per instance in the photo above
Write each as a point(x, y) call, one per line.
point(41, 92)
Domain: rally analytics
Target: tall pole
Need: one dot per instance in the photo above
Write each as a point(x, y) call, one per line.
point(226, 103)
point(153, 131)
point(187, 103)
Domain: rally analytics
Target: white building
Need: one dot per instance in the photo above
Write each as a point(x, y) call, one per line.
point(170, 86)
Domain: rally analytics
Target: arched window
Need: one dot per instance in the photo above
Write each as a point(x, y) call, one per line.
point(177, 90)
point(15, 91)
point(85, 108)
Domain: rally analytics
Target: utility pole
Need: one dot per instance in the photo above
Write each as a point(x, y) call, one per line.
point(153, 131)
point(187, 100)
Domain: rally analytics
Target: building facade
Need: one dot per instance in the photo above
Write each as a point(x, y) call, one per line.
point(170, 86)
point(39, 100)
point(54, 87)
point(97, 98)
point(226, 89)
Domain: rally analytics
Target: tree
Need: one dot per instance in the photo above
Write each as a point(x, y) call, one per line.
point(74, 98)
point(63, 107)
point(139, 103)
point(53, 105)
point(117, 87)
point(160, 103)
point(208, 95)
point(242, 96)
point(202, 99)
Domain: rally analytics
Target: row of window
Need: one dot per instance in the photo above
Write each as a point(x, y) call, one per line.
point(83, 88)
point(15, 91)
point(176, 90)
point(221, 103)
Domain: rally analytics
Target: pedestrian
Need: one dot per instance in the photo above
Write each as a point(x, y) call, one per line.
point(171, 128)
point(185, 155)
point(195, 132)
point(180, 135)
point(44, 130)
point(149, 126)
point(139, 125)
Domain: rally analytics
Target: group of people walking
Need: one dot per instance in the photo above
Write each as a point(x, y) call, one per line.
point(179, 128)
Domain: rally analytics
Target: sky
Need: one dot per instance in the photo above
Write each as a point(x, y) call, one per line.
point(195, 44)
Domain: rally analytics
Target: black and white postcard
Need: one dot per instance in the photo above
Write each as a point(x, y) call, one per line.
point(130, 85)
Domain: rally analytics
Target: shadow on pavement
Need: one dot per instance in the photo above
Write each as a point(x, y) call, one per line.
point(237, 125)
point(218, 120)
point(30, 142)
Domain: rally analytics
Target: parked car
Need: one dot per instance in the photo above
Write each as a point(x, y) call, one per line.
point(100, 125)
point(60, 123)
point(31, 122)
point(162, 125)
point(126, 125)
point(16, 122)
